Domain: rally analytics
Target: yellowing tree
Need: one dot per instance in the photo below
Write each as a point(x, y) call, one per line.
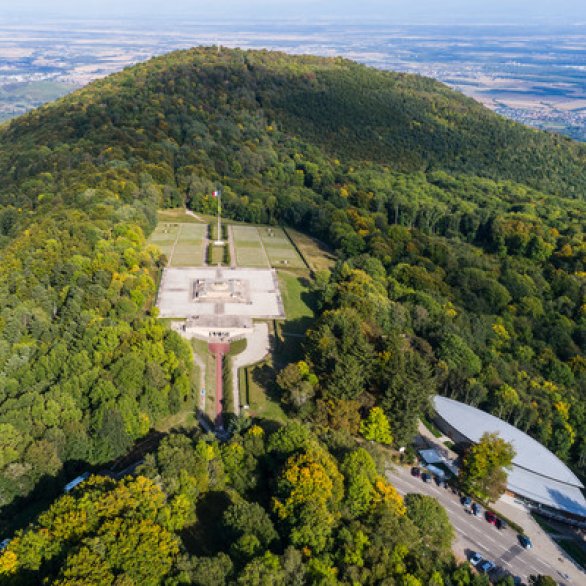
point(365, 489)
point(106, 529)
point(386, 495)
point(309, 491)
point(376, 427)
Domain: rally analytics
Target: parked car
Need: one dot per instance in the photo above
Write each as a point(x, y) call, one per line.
point(426, 477)
point(501, 523)
point(466, 501)
point(476, 509)
point(525, 541)
point(491, 518)
point(486, 566)
point(415, 472)
point(475, 558)
point(4, 544)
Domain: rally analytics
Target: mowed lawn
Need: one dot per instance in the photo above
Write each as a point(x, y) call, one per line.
point(249, 248)
point(298, 300)
point(182, 243)
point(164, 237)
point(263, 246)
point(201, 349)
point(279, 249)
point(179, 215)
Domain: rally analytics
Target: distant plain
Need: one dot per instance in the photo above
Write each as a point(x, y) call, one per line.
point(534, 75)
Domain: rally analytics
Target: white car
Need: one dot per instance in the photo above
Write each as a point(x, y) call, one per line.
point(475, 559)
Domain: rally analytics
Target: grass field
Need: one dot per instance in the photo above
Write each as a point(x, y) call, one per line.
point(249, 248)
point(164, 237)
point(201, 349)
point(298, 299)
point(318, 255)
point(279, 249)
point(262, 246)
point(217, 254)
point(178, 215)
point(182, 243)
point(257, 386)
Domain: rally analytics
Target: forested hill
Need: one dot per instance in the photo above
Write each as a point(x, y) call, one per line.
point(407, 122)
point(460, 234)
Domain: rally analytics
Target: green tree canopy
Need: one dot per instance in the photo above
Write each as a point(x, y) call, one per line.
point(484, 467)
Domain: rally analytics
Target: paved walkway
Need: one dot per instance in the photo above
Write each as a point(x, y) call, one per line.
point(193, 215)
point(437, 443)
point(517, 512)
point(257, 347)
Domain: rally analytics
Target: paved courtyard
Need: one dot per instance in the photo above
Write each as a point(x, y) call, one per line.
point(209, 291)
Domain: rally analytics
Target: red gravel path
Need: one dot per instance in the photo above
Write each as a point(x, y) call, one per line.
point(219, 349)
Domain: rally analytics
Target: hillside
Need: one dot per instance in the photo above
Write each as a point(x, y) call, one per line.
point(460, 234)
point(407, 122)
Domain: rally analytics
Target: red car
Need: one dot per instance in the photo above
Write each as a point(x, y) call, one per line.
point(491, 518)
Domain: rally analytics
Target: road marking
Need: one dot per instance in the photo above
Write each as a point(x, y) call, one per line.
point(501, 546)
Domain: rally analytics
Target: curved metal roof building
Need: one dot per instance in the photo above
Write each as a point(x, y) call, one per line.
point(537, 475)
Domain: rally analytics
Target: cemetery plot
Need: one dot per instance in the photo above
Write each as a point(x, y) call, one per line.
point(250, 251)
point(164, 237)
point(279, 249)
point(181, 243)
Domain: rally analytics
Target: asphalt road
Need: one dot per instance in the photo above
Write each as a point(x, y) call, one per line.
point(475, 534)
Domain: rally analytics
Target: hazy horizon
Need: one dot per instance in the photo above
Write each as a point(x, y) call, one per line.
point(399, 12)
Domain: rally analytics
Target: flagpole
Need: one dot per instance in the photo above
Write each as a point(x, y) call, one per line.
point(219, 215)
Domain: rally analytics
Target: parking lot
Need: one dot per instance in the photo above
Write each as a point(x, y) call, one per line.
point(475, 534)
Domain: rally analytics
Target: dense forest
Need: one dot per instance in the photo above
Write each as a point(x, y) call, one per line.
point(262, 509)
point(462, 264)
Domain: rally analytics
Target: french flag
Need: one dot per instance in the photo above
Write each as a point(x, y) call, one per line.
point(215, 193)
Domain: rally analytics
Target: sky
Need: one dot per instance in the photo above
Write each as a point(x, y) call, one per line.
point(307, 11)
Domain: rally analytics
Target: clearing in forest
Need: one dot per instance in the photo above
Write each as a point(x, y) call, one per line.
point(270, 282)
